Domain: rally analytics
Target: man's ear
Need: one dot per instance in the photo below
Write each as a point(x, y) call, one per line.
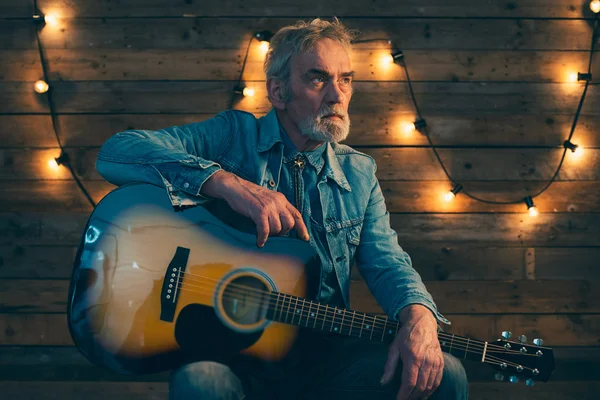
point(274, 88)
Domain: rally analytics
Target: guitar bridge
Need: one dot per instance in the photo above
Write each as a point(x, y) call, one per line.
point(170, 289)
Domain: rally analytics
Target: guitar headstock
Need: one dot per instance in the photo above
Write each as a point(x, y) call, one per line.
point(519, 360)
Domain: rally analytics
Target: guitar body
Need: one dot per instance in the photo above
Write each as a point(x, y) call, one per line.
point(152, 288)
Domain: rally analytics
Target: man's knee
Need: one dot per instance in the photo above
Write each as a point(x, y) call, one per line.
point(205, 380)
point(454, 383)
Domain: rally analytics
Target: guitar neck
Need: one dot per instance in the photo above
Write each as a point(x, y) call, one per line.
point(297, 311)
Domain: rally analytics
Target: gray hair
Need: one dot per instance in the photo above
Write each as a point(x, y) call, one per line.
point(299, 38)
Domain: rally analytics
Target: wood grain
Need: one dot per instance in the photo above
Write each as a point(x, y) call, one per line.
point(454, 297)
point(378, 129)
point(494, 229)
point(234, 33)
point(434, 262)
point(413, 8)
point(521, 165)
point(25, 329)
point(66, 363)
point(374, 97)
point(223, 64)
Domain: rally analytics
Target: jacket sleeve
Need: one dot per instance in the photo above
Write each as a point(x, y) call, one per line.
point(385, 266)
point(179, 158)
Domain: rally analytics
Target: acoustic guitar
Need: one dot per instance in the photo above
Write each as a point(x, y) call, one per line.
point(152, 288)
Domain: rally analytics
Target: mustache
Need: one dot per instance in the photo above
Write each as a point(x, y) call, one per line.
point(326, 113)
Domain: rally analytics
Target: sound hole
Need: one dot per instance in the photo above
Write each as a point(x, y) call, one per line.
point(246, 300)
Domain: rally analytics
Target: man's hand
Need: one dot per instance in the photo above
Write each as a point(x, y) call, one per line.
point(417, 345)
point(270, 211)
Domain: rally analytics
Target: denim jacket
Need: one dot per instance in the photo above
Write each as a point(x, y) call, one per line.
point(355, 218)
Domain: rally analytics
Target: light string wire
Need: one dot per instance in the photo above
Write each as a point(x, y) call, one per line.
point(573, 126)
point(64, 157)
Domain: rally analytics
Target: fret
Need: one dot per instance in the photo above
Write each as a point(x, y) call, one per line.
point(275, 308)
point(384, 328)
point(317, 317)
point(362, 325)
point(342, 323)
point(294, 311)
point(373, 327)
point(352, 323)
point(451, 343)
point(333, 319)
point(308, 316)
point(324, 318)
point(287, 312)
point(467, 348)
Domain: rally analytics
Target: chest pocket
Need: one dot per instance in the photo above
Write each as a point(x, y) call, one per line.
point(343, 239)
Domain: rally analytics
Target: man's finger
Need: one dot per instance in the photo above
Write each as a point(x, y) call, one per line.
point(435, 379)
point(391, 363)
point(420, 389)
point(410, 373)
point(287, 222)
point(274, 225)
point(262, 230)
point(299, 223)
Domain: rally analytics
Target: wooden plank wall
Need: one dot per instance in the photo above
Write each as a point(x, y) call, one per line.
point(490, 78)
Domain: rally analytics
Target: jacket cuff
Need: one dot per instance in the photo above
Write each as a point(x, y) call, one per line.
point(422, 300)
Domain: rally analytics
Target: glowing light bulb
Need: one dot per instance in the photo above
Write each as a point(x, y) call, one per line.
point(248, 92)
point(407, 127)
point(40, 86)
point(572, 77)
point(264, 46)
point(595, 6)
point(449, 196)
point(52, 164)
point(51, 19)
point(387, 59)
point(578, 152)
point(533, 211)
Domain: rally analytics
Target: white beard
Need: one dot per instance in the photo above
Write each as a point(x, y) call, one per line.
point(325, 130)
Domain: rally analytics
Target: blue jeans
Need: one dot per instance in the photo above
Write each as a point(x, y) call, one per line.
point(322, 367)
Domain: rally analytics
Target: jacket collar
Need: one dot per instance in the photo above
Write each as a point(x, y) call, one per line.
point(269, 134)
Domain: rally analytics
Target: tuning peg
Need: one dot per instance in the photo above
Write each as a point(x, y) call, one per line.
point(506, 334)
point(538, 342)
point(499, 376)
point(513, 379)
point(530, 382)
point(522, 339)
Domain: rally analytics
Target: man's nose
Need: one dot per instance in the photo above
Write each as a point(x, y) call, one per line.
point(334, 93)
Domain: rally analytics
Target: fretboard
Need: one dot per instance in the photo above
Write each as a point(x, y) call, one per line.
point(297, 311)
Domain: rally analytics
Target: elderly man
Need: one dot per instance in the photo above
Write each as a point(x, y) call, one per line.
point(288, 173)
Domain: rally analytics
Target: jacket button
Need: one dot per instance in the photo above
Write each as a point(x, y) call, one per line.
point(186, 185)
point(272, 183)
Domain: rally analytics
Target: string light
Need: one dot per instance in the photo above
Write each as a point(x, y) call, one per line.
point(245, 91)
point(584, 76)
point(449, 196)
point(575, 149)
point(264, 37)
point(533, 211)
point(573, 76)
point(595, 6)
point(63, 159)
point(407, 127)
point(40, 86)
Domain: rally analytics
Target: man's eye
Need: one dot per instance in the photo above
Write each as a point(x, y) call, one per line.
point(316, 80)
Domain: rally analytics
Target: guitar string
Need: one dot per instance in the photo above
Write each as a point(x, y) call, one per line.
point(246, 289)
point(335, 316)
point(459, 346)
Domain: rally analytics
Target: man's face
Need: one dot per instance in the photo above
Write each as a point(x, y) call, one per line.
point(321, 88)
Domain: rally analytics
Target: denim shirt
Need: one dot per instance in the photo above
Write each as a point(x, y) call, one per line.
point(356, 221)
